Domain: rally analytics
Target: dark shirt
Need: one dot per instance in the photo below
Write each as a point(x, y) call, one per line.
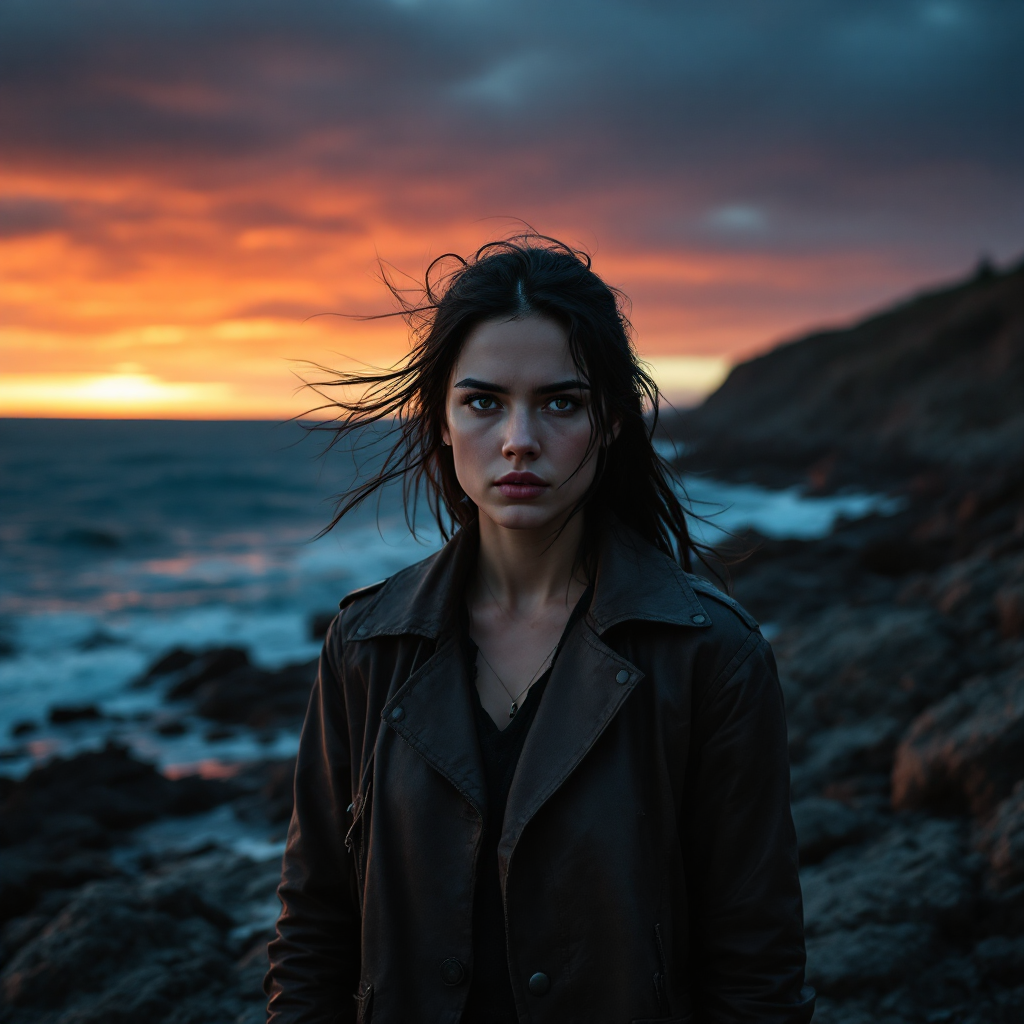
point(490, 994)
point(490, 999)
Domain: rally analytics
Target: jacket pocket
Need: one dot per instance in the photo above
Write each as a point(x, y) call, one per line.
point(364, 1004)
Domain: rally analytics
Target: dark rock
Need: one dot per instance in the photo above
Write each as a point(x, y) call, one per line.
point(98, 640)
point(1001, 957)
point(965, 753)
point(175, 727)
point(1002, 840)
point(205, 667)
point(933, 382)
point(320, 623)
point(873, 913)
point(915, 871)
point(56, 823)
point(62, 714)
point(92, 537)
point(23, 728)
point(163, 948)
point(1009, 608)
point(109, 786)
point(269, 789)
point(946, 989)
point(863, 750)
point(175, 660)
point(823, 826)
point(848, 960)
point(113, 928)
point(848, 664)
point(258, 698)
point(20, 930)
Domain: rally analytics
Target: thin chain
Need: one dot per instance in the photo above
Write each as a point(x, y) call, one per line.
point(514, 706)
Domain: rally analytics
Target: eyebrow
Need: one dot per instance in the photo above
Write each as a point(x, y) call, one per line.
point(546, 389)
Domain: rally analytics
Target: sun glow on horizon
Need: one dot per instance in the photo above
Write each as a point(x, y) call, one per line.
point(150, 300)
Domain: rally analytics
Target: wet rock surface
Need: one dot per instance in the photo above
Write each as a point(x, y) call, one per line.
point(900, 644)
point(103, 919)
point(126, 896)
point(905, 698)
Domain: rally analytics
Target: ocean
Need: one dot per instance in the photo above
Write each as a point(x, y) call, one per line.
point(122, 539)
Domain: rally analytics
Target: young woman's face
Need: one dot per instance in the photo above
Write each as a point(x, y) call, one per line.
point(518, 423)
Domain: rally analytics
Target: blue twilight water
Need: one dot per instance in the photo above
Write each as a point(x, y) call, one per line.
point(121, 539)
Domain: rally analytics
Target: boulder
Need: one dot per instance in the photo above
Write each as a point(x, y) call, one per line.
point(185, 943)
point(1001, 958)
point(206, 666)
point(57, 823)
point(846, 961)
point(965, 753)
point(224, 686)
point(63, 714)
point(872, 912)
point(862, 751)
point(849, 664)
point(320, 622)
point(823, 826)
point(915, 871)
point(258, 698)
point(1001, 839)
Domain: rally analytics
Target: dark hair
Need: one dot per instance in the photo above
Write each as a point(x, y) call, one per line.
point(525, 275)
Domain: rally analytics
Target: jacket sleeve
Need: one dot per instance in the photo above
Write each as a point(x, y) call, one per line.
point(746, 923)
point(314, 959)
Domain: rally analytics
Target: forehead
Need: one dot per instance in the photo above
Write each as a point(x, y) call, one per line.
point(524, 353)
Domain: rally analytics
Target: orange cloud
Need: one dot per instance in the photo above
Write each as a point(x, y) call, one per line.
point(205, 291)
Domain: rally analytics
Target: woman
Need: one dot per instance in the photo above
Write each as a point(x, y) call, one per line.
point(543, 774)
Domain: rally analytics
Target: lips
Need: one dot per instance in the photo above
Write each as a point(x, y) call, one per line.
point(521, 485)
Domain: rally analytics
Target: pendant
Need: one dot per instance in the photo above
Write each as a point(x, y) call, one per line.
point(513, 709)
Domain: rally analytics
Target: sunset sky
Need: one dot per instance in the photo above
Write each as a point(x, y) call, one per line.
point(182, 184)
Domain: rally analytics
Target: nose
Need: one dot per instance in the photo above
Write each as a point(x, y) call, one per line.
point(520, 443)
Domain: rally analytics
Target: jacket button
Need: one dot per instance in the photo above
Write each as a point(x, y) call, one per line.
point(398, 714)
point(539, 984)
point(622, 676)
point(452, 971)
point(699, 619)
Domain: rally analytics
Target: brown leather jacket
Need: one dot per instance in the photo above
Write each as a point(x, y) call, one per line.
point(648, 859)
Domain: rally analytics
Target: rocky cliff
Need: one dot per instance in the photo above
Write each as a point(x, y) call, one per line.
point(935, 384)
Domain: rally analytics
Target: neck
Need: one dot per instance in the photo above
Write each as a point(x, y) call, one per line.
point(528, 570)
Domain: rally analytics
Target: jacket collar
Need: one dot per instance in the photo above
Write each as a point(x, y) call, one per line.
point(635, 581)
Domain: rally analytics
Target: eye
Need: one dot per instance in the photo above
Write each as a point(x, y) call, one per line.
point(562, 403)
point(482, 403)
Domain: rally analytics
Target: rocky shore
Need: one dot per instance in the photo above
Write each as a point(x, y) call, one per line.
point(900, 643)
point(129, 896)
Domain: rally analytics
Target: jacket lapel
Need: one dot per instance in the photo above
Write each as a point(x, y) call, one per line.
point(432, 712)
point(588, 685)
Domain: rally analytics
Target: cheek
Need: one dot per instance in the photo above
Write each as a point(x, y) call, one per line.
point(472, 452)
point(568, 448)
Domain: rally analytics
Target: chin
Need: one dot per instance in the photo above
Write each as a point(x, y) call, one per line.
point(523, 516)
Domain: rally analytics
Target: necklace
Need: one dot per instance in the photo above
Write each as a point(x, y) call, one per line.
point(514, 706)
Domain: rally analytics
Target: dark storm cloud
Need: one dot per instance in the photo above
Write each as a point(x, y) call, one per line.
point(738, 123)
